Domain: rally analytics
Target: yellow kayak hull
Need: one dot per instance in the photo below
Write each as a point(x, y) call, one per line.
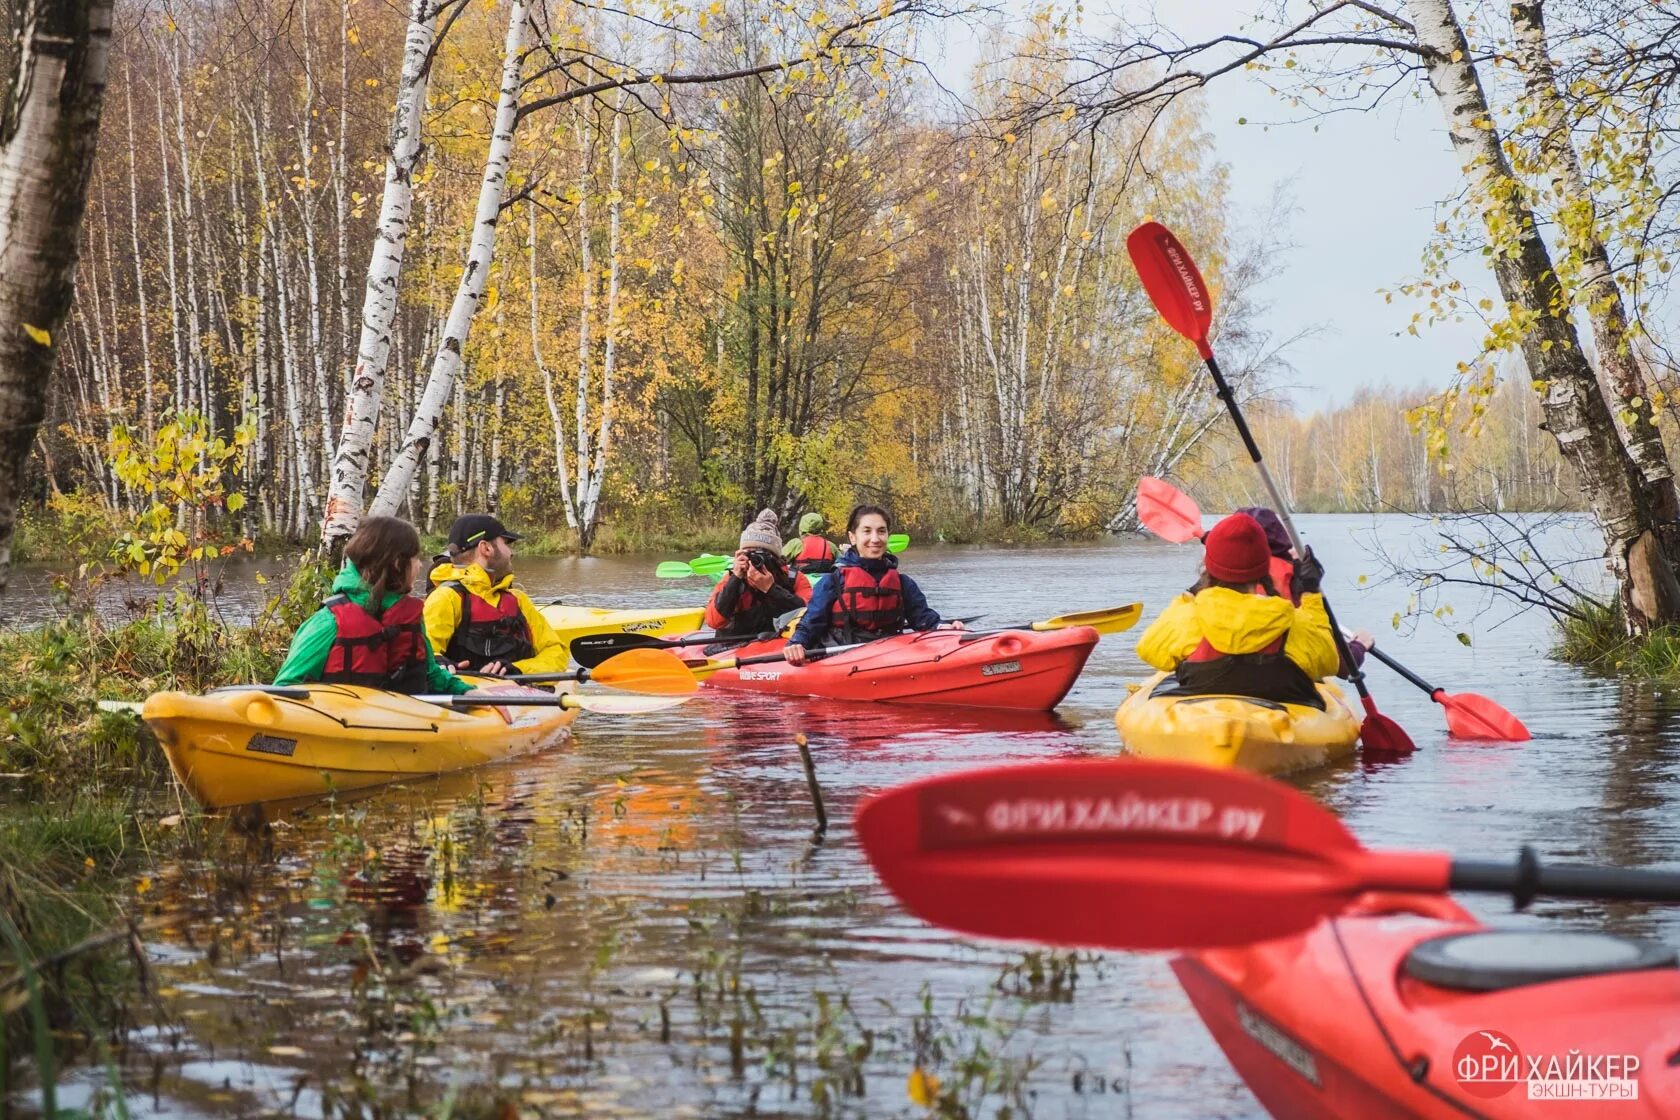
point(574, 622)
point(1233, 731)
point(242, 746)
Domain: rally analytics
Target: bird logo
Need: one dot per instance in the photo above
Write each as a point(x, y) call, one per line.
point(957, 818)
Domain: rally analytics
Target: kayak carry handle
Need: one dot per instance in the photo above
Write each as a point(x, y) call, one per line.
point(1528, 879)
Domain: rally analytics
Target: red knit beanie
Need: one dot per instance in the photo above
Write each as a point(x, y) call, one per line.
point(1236, 550)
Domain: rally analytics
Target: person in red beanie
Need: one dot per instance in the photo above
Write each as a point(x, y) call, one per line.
point(1234, 634)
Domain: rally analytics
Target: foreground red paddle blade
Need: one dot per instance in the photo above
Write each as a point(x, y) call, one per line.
point(1122, 854)
point(1167, 511)
point(1380, 733)
point(1470, 716)
point(1173, 281)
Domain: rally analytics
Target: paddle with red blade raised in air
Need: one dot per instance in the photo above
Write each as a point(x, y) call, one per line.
point(1176, 287)
point(1129, 854)
point(1173, 515)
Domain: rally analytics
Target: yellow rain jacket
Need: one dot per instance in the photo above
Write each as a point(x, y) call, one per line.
point(1239, 622)
point(443, 615)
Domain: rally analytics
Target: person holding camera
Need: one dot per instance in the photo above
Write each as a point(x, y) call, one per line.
point(759, 587)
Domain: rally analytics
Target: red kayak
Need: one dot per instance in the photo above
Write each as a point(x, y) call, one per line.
point(1406, 1006)
point(1340, 981)
point(1019, 669)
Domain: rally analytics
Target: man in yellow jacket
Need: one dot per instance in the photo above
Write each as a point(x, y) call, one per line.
point(1236, 634)
point(476, 619)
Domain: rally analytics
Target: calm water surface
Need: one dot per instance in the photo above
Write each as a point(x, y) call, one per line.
point(638, 924)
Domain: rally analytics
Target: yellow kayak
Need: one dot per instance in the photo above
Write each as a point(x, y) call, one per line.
point(1236, 731)
point(238, 746)
point(574, 622)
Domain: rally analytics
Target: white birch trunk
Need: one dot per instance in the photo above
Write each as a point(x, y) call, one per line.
point(379, 301)
point(1576, 412)
point(470, 293)
point(589, 508)
point(48, 133)
point(555, 419)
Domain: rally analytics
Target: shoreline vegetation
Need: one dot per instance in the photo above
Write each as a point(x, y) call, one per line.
point(85, 810)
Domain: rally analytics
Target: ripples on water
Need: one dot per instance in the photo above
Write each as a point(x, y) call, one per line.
point(640, 925)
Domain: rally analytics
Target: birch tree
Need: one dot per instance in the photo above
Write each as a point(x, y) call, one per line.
point(1143, 73)
point(469, 293)
point(48, 135)
point(365, 393)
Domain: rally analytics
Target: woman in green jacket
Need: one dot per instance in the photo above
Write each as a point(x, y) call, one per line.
point(372, 632)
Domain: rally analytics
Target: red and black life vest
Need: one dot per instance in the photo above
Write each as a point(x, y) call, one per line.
point(1265, 674)
point(489, 632)
point(378, 651)
point(815, 555)
point(866, 606)
point(1283, 578)
point(737, 608)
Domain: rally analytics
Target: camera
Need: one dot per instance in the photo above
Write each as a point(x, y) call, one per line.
point(760, 559)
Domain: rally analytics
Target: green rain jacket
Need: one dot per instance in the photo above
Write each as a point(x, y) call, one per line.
point(310, 645)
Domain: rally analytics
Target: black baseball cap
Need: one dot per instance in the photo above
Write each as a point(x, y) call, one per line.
point(468, 531)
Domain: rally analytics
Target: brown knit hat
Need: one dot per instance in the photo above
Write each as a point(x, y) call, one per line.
point(764, 532)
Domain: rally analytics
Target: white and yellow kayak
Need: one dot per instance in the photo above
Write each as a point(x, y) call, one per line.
point(238, 746)
point(1237, 731)
point(574, 622)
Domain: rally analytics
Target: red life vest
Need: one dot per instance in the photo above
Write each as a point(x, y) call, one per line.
point(815, 555)
point(865, 606)
point(488, 632)
point(1204, 650)
point(1283, 578)
point(378, 651)
point(750, 612)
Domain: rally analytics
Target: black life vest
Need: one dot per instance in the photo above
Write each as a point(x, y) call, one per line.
point(489, 633)
point(378, 651)
point(1266, 674)
point(866, 607)
point(815, 555)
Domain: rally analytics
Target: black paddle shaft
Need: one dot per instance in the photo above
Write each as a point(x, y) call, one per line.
point(1402, 670)
point(1230, 399)
point(592, 649)
point(1528, 879)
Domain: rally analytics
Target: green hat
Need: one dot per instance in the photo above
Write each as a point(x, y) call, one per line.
point(812, 523)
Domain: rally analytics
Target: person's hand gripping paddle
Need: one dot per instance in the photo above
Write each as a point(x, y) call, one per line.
point(1176, 288)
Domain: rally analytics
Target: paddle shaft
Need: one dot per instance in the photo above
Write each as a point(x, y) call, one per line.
point(1529, 878)
point(1402, 670)
point(498, 700)
point(1231, 406)
point(579, 675)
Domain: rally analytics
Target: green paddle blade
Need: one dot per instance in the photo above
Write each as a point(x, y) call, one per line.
point(898, 542)
point(707, 564)
point(673, 569)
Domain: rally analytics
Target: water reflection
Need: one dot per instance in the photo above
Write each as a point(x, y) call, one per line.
point(637, 923)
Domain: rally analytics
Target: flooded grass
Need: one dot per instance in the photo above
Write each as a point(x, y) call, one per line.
point(352, 961)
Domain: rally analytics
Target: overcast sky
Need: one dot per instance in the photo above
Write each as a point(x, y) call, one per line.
point(1364, 188)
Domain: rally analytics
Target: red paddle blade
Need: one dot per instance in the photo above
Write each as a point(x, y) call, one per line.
point(1379, 733)
point(1121, 854)
point(1174, 284)
point(1470, 716)
point(1167, 511)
